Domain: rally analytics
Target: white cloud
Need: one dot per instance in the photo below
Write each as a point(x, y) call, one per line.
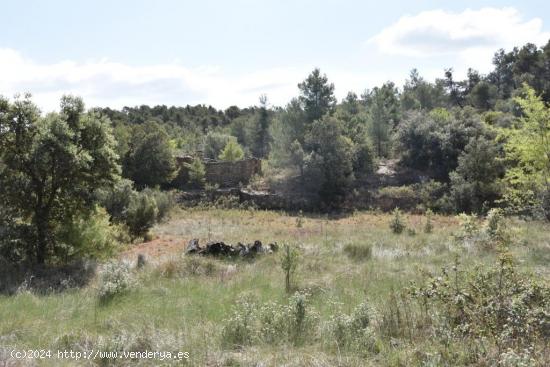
point(108, 83)
point(430, 41)
point(472, 35)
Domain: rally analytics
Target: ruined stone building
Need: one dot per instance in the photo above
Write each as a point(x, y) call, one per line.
point(225, 174)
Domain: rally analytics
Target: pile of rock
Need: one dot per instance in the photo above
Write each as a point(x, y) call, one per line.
point(216, 248)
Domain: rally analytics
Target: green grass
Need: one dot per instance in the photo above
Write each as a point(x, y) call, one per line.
point(181, 311)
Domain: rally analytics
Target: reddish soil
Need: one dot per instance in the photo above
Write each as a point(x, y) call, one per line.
point(159, 247)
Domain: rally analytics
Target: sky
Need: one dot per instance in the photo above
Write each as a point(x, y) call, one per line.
point(125, 53)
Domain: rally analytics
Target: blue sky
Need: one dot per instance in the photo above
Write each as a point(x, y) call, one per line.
point(116, 53)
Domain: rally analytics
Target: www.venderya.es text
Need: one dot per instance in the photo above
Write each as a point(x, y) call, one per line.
point(97, 354)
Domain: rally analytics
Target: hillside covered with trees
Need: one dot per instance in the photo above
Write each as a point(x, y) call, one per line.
point(471, 144)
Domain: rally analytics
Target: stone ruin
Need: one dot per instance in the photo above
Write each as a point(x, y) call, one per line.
point(215, 248)
point(225, 174)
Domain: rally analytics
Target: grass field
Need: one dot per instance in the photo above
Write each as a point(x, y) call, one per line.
point(183, 303)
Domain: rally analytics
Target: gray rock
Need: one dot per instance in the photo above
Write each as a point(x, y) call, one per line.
point(193, 246)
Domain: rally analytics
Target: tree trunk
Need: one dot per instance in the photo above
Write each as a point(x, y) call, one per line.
point(41, 224)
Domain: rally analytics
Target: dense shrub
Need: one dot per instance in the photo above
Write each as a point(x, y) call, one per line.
point(115, 279)
point(475, 182)
point(353, 331)
point(240, 329)
point(117, 199)
point(137, 211)
point(506, 309)
point(271, 322)
point(164, 201)
point(196, 172)
point(88, 236)
point(214, 142)
point(433, 141)
point(396, 224)
point(431, 195)
point(363, 162)
point(232, 152)
point(416, 197)
point(333, 155)
point(292, 322)
point(141, 215)
point(493, 233)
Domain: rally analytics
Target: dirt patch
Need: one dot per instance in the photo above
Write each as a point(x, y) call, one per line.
point(157, 248)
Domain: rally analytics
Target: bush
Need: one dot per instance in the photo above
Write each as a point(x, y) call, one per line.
point(197, 173)
point(354, 331)
point(332, 153)
point(214, 142)
point(359, 252)
point(289, 263)
point(431, 195)
point(269, 322)
point(493, 233)
point(115, 279)
point(428, 227)
point(239, 329)
point(496, 229)
point(474, 183)
point(397, 226)
point(138, 211)
point(117, 199)
point(227, 202)
point(363, 160)
point(88, 236)
point(433, 141)
point(164, 201)
point(469, 226)
point(141, 215)
point(232, 152)
point(292, 323)
point(498, 304)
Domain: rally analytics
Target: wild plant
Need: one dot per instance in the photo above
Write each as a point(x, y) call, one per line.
point(289, 262)
point(352, 331)
point(428, 227)
point(499, 305)
point(115, 279)
point(240, 329)
point(396, 224)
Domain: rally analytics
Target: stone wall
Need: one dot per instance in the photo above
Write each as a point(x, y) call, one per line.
point(224, 174)
point(230, 174)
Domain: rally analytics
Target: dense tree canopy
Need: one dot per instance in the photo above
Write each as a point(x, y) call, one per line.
point(149, 160)
point(528, 145)
point(51, 167)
